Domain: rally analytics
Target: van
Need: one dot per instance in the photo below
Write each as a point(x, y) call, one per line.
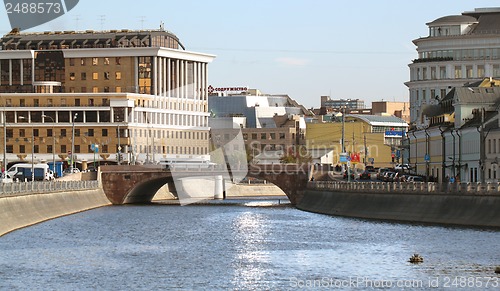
point(22, 172)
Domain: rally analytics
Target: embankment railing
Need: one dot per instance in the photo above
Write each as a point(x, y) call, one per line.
point(408, 187)
point(24, 188)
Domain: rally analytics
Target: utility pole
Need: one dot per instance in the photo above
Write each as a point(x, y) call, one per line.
point(366, 148)
point(482, 152)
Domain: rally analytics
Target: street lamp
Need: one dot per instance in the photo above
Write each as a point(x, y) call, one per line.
point(32, 149)
point(53, 143)
point(73, 143)
point(118, 158)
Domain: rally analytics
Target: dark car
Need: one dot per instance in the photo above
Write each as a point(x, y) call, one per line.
point(345, 175)
point(366, 175)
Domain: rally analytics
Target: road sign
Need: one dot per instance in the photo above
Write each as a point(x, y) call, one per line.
point(427, 158)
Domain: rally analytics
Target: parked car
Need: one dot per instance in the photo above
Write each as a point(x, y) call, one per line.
point(68, 171)
point(366, 175)
point(402, 167)
point(415, 179)
point(6, 178)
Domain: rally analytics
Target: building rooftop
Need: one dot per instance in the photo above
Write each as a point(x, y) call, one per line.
point(380, 120)
point(16, 40)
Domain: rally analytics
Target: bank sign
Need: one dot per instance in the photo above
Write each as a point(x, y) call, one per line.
point(395, 133)
point(25, 14)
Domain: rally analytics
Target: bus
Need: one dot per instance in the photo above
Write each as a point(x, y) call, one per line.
point(22, 172)
point(187, 164)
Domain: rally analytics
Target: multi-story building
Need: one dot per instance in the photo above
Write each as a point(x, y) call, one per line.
point(138, 93)
point(377, 139)
point(460, 139)
point(342, 104)
point(270, 124)
point(398, 109)
point(459, 49)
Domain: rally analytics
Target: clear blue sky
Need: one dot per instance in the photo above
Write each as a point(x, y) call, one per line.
point(304, 48)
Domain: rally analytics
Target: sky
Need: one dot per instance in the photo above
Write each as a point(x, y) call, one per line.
point(303, 48)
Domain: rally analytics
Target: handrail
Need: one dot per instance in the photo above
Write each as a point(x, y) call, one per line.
point(26, 188)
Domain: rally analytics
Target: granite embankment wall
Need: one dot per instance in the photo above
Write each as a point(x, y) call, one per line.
point(478, 210)
point(18, 211)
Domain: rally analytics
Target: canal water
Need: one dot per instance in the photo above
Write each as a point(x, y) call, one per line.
point(242, 245)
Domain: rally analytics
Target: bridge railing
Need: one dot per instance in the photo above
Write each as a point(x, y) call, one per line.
point(408, 187)
point(24, 188)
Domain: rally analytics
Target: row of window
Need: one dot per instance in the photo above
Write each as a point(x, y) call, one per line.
point(95, 61)
point(23, 149)
point(492, 146)
point(467, 71)
point(95, 76)
point(463, 54)
point(90, 132)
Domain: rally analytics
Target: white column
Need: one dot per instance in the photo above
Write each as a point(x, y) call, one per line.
point(21, 66)
point(136, 73)
point(160, 76)
point(195, 83)
point(165, 76)
point(177, 81)
point(169, 78)
point(10, 72)
point(182, 69)
point(155, 79)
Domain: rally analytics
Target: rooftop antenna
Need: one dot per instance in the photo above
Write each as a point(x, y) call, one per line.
point(102, 18)
point(142, 21)
point(162, 25)
point(77, 17)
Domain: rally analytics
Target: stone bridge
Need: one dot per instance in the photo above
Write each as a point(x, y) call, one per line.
point(124, 184)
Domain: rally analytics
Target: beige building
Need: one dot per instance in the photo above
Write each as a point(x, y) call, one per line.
point(138, 93)
point(374, 138)
point(398, 109)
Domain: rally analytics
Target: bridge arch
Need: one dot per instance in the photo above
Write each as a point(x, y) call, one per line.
point(126, 184)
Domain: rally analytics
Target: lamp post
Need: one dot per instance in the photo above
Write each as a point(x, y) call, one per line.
point(32, 149)
point(119, 147)
point(4, 142)
point(73, 143)
point(53, 143)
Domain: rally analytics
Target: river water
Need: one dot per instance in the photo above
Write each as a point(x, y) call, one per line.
point(242, 245)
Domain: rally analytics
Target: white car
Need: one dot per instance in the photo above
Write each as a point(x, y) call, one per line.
point(402, 167)
point(6, 178)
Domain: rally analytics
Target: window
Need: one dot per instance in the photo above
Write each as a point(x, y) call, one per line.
point(10, 133)
point(106, 75)
point(71, 89)
point(22, 132)
point(458, 72)
point(72, 76)
point(469, 71)
point(84, 90)
point(95, 89)
point(84, 76)
point(282, 135)
point(36, 102)
point(49, 132)
point(104, 132)
point(71, 62)
point(263, 136)
point(90, 132)
point(22, 149)
point(82, 62)
point(106, 61)
point(10, 149)
point(118, 89)
point(95, 61)
point(63, 148)
point(63, 133)
point(77, 148)
point(118, 61)
point(118, 75)
point(77, 102)
point(36, 149)
point(106, 89)
point(49, 148)
point(95, 76)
